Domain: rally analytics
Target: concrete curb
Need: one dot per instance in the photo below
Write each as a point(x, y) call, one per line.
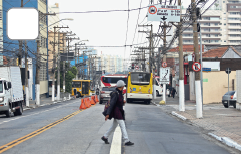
point(226, 141)
point(179, 116)
point(29, 108)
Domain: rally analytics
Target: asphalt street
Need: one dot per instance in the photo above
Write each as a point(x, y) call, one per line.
point(78, 134)
point(155, 132)
point(63, 129)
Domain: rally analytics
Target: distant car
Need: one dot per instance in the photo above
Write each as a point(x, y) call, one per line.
point(232, 96)
point(105, 94)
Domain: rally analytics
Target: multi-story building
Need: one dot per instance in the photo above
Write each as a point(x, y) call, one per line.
point(111, 63)
point(11, 47)
point(219, 26)
point(53, 21)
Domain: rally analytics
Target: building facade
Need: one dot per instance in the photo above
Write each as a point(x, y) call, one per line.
point(11, 47)
point(219, 26)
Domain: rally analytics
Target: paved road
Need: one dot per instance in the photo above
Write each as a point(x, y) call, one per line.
point(78, 134)
point(61, 128)
point(155, 132)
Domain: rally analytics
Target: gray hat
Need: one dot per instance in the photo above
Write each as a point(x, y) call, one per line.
point(120, 83)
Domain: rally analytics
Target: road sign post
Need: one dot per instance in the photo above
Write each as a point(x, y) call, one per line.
point(164, 79)
point(228, 71)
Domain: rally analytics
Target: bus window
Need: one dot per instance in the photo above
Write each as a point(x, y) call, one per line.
point(76, 84)
point(113, 79)
point(140, 78)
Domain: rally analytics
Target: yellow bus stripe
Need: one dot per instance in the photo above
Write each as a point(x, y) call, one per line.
point(35, 133)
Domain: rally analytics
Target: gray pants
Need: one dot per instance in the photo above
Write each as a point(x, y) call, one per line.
point(123, 129)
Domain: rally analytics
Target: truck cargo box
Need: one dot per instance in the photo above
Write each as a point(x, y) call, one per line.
point(13, 75)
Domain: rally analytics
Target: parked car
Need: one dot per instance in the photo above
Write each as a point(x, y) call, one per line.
point(232, 96)
point(105, 94)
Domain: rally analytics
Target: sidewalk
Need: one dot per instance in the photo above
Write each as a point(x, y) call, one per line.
point(224, 124)
point(43, 102)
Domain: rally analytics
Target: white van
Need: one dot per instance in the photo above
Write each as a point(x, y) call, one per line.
point(159, 88)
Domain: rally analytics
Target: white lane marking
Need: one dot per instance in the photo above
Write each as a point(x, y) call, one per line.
point(116, 142)
point(36, 113)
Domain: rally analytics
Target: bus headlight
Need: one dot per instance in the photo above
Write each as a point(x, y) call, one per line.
point(130, 90)
point(149, 90)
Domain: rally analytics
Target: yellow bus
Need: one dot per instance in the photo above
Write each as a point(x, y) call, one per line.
point(139, 87)
point(81, 88)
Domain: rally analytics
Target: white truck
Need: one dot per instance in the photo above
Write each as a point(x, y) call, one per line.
point(11, 91)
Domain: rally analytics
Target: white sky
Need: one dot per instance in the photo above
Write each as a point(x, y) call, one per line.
point(106, 29)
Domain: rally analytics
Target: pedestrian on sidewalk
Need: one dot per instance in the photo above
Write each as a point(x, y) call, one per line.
point(173, 92)
point(115, 110)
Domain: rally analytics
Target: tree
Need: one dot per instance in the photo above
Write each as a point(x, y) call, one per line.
point(69, 76)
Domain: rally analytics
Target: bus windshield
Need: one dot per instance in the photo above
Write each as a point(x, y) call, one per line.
point(113, 79)
point(140, 78)
point(76, 84)
point(1, 87)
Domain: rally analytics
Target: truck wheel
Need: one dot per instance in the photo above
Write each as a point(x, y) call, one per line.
point(8, 113)
point(234, 105)
point(20, 110)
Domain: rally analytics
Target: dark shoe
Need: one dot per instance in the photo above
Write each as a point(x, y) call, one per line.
point(129, 143)
point(105, 140)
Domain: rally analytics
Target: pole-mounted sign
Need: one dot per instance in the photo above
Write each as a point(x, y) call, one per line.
point(168, 13)
point(137, 67)
point(164, 64)
point(196, 67)
point(164, 75)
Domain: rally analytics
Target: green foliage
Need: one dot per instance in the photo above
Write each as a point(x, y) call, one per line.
point(69, 76)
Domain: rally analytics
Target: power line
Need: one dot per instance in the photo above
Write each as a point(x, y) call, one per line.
point(107, 10)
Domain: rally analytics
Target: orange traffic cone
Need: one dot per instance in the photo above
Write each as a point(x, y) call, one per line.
point(96, 99)
point(92, 101)
point(86, 103)
point(82, 105)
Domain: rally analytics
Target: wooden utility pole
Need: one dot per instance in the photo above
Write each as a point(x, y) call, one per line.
point(26, 75)
point(37, 75)
point(181, 73)
point(58, 66)
point(197, 74)
point(53, 69)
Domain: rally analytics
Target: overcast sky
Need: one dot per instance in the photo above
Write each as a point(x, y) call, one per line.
point(107, 29)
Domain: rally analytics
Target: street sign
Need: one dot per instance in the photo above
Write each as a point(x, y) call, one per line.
point(168, 13)
point(164, 64)
point(164, 75)
point(196, 67)
point(206, 69)
point(137, 67)
point(228, 70)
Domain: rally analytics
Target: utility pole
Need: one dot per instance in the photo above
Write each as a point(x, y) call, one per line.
point(26, 75)
point(37, 75)
point(64, 67)
point(20, 49)
point(199, 113)
point(58, 65)
point(75, 60)
point(164, 58)
point(181, 73)
point(53, 69)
